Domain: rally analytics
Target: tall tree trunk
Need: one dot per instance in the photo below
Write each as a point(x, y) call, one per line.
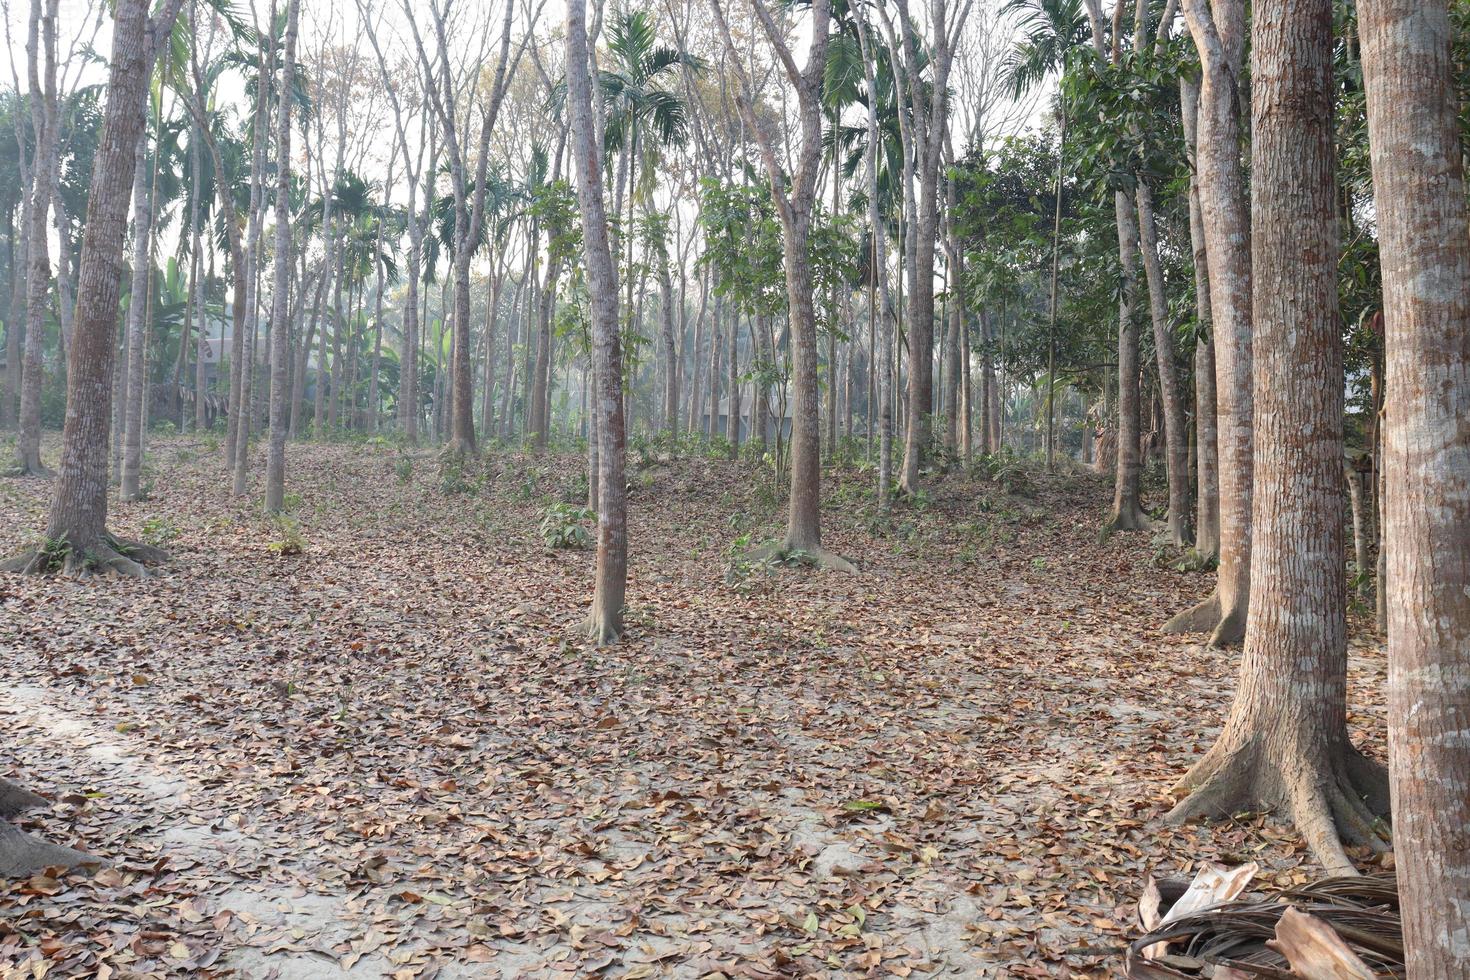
point(1051, 324)
point(671, 357)
point(877, 228)
point(695, 386)
point(10, 403)
point(78, 518)
point(1207, 449)
point(605, 622)
point(1127, 514)
point(1171, 393)
point(462, 376)
point(203, 415)
point(1285, 744)
point(408, 377)
point(732, 419)
point(1218, 28)
point(137, 370)
point(44, 120)
point(717, 339)
point(1419, 189)
point(275, 460)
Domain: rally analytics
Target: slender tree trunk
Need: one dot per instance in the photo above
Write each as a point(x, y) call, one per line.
point(408, 378)
point(732, 420)
point(1219, 37)
point(695, 392)
point(201, 312)
point(877, 228)
point(137, 370)
point(1285, 745)
point(44, 118)
point(1419, 188)
point(1171, 393)
point(671, 357)
point(1051, 326)
point(605, 622)
point(1207, 476)
point(715, 360)
point(1127, 512)
point(10, 404)
point(275, 462)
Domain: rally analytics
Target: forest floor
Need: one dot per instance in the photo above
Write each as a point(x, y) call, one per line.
point(393, 753)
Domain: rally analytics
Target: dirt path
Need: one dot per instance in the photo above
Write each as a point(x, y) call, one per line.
point(392, 754)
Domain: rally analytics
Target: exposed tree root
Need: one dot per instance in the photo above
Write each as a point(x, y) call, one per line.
point(1199, 618)
point(1225, 629)
point(1133, 519)
point(24, 854)
point(15, 800)
point(1330, 796)
point(603, 630)
point(778, 552)
point(119, 556)
point(1230, 631)
point(30, 467)
point(458, 450)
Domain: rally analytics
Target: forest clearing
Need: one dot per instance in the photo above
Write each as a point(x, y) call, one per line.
point(401, 735)
point(735, 488)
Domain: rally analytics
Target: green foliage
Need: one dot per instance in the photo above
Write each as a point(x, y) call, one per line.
point(288, 539)
point(1007, 470)
point(159, 531)
point(562, 526)
point(403, 468)
point(454, 481)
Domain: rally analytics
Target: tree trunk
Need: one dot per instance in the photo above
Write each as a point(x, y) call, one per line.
point(44, 119)
point(1171, 394)
point(78, 515)
point(1419, 188)
point(1207, 477)
point(1127, 512)
point(275, 461)
point(408, 362)
point(137, 372)
point(732, 394)
point(671, 357)
point(1220, 40)
point(10, 403)
point(1285, 744)
point(605, 623)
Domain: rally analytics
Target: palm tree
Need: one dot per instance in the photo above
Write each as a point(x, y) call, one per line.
point(636, 98)
point(1054, 30)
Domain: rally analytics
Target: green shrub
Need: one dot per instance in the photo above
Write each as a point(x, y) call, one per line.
point(289, 539)
point(562, 526)
point(159, 531)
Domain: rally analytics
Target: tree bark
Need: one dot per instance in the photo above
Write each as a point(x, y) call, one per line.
point(1127, 514)
point(44, 120)
point(605, 622)
point(78, 517)
point(1207, 449)
point(137, 369)
point(1176, 438)
point(670, 354)
point(1218, 27)
point(1419, 191)
point(275, 459)
point(1285, 744)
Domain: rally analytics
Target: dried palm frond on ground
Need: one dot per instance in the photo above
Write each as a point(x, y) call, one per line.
point(1337, 928)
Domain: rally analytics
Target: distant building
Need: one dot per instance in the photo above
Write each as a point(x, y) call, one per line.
point(747, 424)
